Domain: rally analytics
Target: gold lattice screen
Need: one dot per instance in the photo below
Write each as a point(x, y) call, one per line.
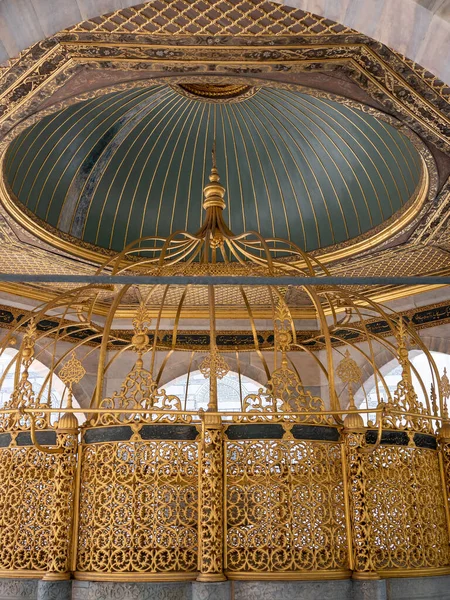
point(285, 506)
point(214, 17)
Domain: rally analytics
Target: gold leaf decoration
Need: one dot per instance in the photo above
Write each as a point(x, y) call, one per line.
point(215, 364)
point(72, 372)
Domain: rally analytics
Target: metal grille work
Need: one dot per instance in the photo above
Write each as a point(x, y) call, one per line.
point(285, 506)
point(139, 507)
point(36, 507)
point(404, 497)
point(215, 17)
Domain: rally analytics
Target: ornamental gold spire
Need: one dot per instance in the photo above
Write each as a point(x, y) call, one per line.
point(350, 374)
point(214, 192)
point(214, 226)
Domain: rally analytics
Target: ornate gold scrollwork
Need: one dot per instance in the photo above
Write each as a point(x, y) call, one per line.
point(404, 410)
point(23, 395)
point(350, 374)
point(361, 527)
point(139, 392)
point(211, 505)
point(285, 395)
point(285, 508)
point(215, 364)
point(138, 512)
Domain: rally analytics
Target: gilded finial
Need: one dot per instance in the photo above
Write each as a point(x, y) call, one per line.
point(214, 364)
point(402, 351)
point(444, 432)
point(214, 191)
point(349, 373)
point(141, 324)
point(71, 373)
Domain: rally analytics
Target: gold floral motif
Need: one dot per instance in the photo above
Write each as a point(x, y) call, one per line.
point(398, 408)
point(404, 485)
point(211, 506)
point(72, 371)
point(24, 395)
point(142, 319)
point(361, 527)
point(139, 391)
point(284, 507)
point(36, 508)
point(138, 508)
point(349, 373)
point(214, 363)
point(283, 325)
point(285, 394)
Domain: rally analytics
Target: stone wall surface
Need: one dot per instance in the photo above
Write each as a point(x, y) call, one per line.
point(293, 590)
point(417, 588)
point(107, 590)
point(15, 589)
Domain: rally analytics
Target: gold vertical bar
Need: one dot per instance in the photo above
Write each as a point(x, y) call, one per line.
point(201, 444)
point(348, 524)
point(76, 512)
point(224, 516)
point(444, 489)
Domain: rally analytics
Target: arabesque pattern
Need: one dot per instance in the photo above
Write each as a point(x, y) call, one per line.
point(139, 507)
point(211, 503)
point(285, 506)
point(404, 497)
point(36, 507)
point(140, 391)
point(362, 549)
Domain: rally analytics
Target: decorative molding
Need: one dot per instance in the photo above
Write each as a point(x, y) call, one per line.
point(403, 89)
point(242, 340)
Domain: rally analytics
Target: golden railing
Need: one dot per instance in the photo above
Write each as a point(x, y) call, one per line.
point(209, 496)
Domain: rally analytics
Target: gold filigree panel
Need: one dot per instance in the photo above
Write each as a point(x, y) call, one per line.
point(139, 391)
point(36, 500)
point(285, 506)
point(139, 507)
point(404, 499)
point(211, 502)
point(285, 395)
point(215, 17)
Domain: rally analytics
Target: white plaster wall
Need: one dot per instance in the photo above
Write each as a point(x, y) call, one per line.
point(420, 29)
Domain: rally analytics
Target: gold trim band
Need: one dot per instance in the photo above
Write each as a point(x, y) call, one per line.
point(289, 575)
point(135, 577)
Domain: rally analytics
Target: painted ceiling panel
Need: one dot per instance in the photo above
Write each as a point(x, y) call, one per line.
point(133, 163)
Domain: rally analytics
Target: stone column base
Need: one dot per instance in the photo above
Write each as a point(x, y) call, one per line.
point(211, 591)
point(54, 590)
point(374, 589)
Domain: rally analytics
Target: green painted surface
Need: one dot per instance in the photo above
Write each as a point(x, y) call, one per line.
point(134, 163)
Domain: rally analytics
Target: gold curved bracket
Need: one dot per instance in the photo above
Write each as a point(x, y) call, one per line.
point(37, 445)
point(370, 449)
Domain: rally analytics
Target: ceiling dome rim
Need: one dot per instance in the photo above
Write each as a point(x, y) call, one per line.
point(86, 250)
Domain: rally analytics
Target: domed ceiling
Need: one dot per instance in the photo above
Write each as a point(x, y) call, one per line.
point(133, 163)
